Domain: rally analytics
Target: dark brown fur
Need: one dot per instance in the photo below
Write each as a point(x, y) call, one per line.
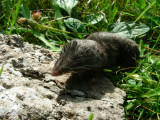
point(100, 50)
point(121, 51)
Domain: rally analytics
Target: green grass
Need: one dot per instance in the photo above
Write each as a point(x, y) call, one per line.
point(1, 70)
point(60, 24)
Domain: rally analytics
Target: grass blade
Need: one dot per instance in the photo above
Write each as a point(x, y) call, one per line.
point(91, 116)
point(26, 12)
point(15, 15)
point(1, 70)
point(145, 10)
point(152, 92)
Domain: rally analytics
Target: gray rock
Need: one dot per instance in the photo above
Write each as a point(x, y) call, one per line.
point(28, 91)
point(23, 102)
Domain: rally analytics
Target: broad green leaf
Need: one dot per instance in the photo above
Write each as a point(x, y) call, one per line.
point(129, 29)
point(42, 38)
point(58, 14)
point(93, 19)
point(25, 12)
point(75, 25)
point(67, 4)
point(56, 7)
point(132, 82)
point(152, 92)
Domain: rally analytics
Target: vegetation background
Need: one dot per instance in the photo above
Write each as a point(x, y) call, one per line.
point(51, 23)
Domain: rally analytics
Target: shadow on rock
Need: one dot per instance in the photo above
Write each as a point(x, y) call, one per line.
point(83, 86)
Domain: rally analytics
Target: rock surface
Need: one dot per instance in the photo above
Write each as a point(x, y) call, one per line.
point(28, 91)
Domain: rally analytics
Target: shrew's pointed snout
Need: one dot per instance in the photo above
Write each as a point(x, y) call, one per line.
point(56, 73)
